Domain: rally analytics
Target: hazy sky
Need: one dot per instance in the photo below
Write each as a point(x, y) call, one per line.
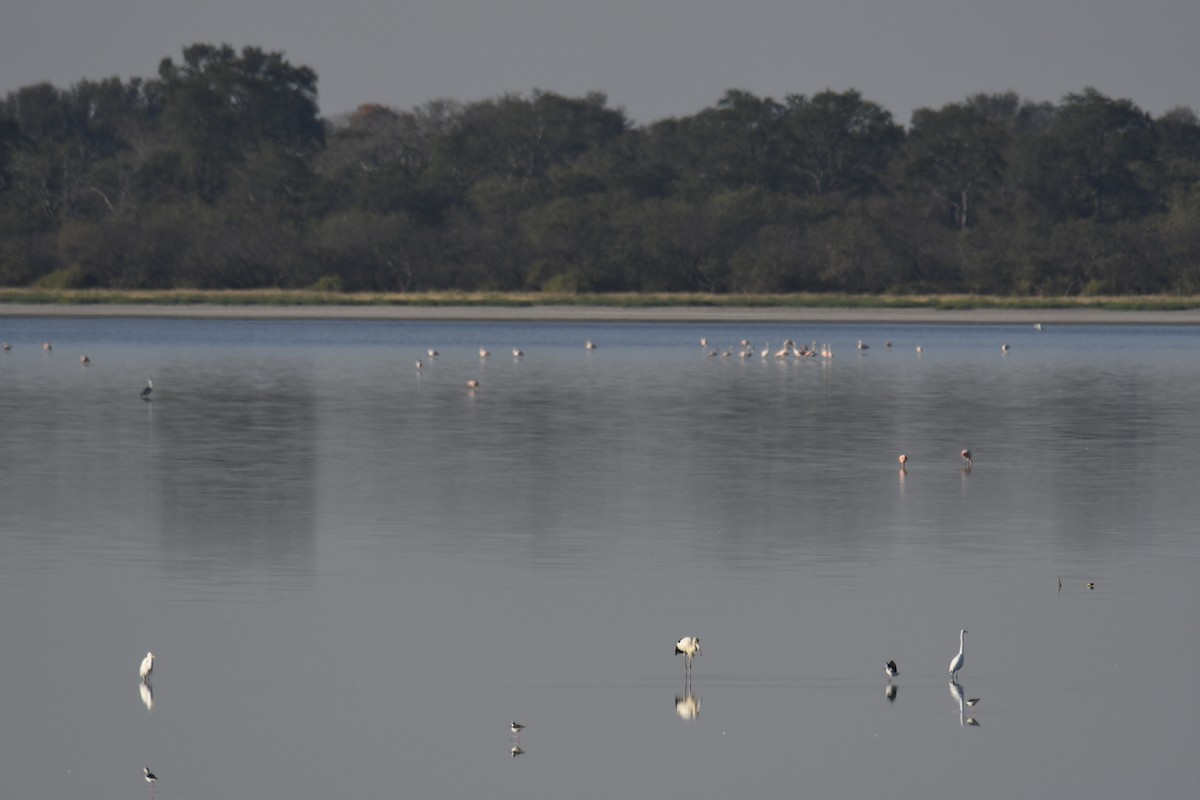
point(655, 58)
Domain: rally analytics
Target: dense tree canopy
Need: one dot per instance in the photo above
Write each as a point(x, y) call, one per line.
point(218, 172)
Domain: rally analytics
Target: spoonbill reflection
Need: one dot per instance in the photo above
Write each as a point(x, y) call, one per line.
point(147, 667)
point(690, 647)
point(687, 705)
point(957, 663)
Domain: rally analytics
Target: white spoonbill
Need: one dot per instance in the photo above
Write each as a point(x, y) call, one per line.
point(690, 647)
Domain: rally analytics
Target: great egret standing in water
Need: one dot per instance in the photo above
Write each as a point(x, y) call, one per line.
point(958, 661)
point(147, 667)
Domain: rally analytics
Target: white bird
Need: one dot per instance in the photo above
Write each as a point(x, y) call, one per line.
point(517, 728)
point(958, 661)
point(149, 388)
point(483, 352)
point(863, 345)
point(432, 353)
point(147, 666)
point(891, 670)
point(418, 363)
point(150, 776)
point(589, 345)
point(47, 347)
point(517, 353)
point(690, 647)
point(766, 351)
point(1004, 349)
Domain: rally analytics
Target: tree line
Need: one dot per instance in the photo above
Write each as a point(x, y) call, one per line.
point(219, 172)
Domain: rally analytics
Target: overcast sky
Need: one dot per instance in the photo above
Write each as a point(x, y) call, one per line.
point(654, 58)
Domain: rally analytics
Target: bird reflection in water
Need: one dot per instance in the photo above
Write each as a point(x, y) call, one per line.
point(687, 705)
point(889, 692)
point(147, 693)
point(517, 750)
point(956, 691)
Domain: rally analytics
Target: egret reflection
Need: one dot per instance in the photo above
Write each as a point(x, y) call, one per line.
point(147, 693)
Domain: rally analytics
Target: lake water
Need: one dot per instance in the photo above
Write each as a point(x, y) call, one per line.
point(355, 575)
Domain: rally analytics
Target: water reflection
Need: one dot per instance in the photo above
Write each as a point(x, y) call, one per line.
point(687, 704)
point(517, 750)
point(889, 692)
point(147, 694)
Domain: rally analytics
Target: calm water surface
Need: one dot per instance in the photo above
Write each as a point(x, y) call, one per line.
point(355, 575)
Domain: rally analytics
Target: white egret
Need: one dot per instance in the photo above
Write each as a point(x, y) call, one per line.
point(147, 666)
point(690, 647)
point(958, 661)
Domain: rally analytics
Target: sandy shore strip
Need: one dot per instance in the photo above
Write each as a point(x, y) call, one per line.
point(552, 313)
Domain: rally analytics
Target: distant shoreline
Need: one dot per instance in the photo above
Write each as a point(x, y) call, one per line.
point(585, 313)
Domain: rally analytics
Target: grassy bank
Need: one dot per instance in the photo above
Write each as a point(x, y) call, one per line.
point(525, 300)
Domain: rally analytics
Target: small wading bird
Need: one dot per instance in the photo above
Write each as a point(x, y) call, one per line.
point(903, 461)
point(517, 352)
point(46, 346)
point(473, 385)
point(966, 455)
point(690, 647)
point(891, 670)
point(972, 702)
point(517, 728)
point(589, 345)
point(432, 353)
point(1004, 349)
point(149, 388)
point(147, 667)
point(863, 345)
point(150, 776)
point(483, 352)
point(418, 363)
point(84, 360)
point(957, 663)
point(6, 347)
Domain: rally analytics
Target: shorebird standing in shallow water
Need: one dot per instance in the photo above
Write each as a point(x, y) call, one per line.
point(517, 728)
point(957, 663)
point(903, 459)
point(149, 388)
point(891, 670)
point(966, 455)
point(473, 385)
point(690, 647)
